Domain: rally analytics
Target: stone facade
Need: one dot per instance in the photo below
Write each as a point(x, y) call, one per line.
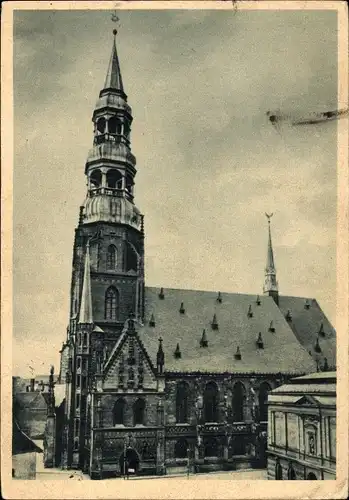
point(154, 382)
point(302, 429)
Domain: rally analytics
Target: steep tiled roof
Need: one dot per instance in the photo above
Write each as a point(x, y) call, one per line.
point(281, 350)
point(307, 318)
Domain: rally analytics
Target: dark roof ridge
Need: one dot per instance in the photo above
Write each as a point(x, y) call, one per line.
point(204, 291)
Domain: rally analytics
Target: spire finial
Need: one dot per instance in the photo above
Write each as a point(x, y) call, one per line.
point(269, 216)
point(113, 81)
point(116, 20)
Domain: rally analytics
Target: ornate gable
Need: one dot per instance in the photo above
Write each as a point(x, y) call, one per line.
point(306, 400)
point(129, 366)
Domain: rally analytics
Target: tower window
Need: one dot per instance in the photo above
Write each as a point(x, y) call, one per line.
point(111, 258)
point(182, 402)
point(119, 412)
point(138, 412)
point(96, 179)
point(114, 179)
point(111, 303)
point(211, 402)
point(114, 126)
point(101, 125)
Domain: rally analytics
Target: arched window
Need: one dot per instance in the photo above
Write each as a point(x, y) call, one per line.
point(131, 258)
point(138, 412)
point(264, 389)
point(211, 447)
point(101, 125)
point(111, 258)
point(239, 395)
point(95, 179)
point(278, 471)
point(114, 179)
point(181, 448)
point(312, 476)
point(119, 412)
point(114, 125)
point(111, 303)
point(211, 402)
point(182, 402)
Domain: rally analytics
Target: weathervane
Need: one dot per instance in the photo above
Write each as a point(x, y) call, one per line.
point(116, 20)
point(268, 216)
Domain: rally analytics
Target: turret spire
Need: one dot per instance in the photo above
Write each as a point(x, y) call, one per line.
point(113, 80)
point(270, 283)
point(85, 315)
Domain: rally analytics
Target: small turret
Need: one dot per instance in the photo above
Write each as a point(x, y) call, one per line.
point(237, 355)
point(203, 341)
point(177, 353)
point(214, 323)
point(259, 342)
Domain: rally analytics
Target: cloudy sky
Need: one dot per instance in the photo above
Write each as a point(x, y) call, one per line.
point(209, 162)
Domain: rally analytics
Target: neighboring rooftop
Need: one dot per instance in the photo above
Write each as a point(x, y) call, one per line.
point(21, 443)
point(315, 388)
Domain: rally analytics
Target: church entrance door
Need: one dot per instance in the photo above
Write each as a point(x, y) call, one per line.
point(129, 462)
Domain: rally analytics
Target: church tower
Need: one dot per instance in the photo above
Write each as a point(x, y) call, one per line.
point(271, 286)
point(108, 257)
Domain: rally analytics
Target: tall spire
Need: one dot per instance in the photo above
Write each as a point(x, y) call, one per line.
point(270, 284)
point(85, 315)
point(270, 254)
point(113, 79)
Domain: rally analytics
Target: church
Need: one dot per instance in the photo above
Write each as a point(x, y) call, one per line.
point(161, 380)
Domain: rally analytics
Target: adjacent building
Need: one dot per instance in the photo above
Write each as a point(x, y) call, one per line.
point(302, 428)
point(157, 377)
point(24, 451)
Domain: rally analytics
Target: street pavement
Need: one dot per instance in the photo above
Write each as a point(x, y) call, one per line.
point(76, 475)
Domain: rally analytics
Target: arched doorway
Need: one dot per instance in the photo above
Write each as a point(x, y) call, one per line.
point(311, 475)
point(291, 473)
point(278, 471)
point(130, 462)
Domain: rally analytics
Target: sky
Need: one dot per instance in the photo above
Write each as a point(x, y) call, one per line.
point(210, 163)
